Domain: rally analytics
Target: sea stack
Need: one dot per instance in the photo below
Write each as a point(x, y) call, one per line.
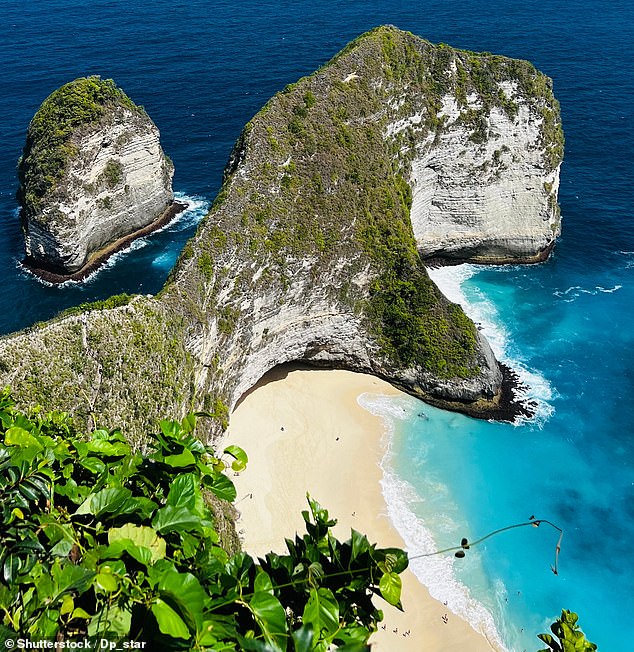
point(92, 176)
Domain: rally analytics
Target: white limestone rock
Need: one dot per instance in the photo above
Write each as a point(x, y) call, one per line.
point(104, 176)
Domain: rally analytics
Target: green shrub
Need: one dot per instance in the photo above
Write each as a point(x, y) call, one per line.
point(112, 173)
point(99, 542)
point(105, 304)
point(568, 637)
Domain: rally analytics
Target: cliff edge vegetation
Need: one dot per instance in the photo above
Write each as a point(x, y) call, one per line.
point(314, 248)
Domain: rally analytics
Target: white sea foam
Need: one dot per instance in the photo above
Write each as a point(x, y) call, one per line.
point(196, 209)
point(436, 572)
point(535, 387)
point(574, 292)
point(629, 258)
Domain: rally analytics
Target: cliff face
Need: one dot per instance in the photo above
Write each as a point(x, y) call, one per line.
point(485, 188)
point(309, 254)
point(92, 171)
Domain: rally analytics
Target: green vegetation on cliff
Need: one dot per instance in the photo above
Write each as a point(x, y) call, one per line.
point(312, 225)
point(325, 182)
point(123, 359)
point(49, 145)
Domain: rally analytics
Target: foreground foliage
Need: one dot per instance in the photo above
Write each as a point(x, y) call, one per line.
point(98, 541)
point(568, 637)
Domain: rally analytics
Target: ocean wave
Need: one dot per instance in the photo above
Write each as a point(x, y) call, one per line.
point(197, 208)
point(629, 257)
point(535, 388)
point(435, 572)
point(575, 291)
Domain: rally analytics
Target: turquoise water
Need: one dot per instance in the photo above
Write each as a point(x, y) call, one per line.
point(202, 68)
point(449, 476)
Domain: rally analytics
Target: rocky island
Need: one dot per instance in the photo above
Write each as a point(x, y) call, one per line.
point(93, 176)
point(395, 152)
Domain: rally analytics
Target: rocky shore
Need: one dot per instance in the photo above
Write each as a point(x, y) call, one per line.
point(98, 258)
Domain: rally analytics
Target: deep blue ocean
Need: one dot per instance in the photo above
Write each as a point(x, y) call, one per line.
point(203, 68)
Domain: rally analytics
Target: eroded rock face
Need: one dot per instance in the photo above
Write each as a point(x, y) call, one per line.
point(93, 171)
point(311, 250)
point(493, 200)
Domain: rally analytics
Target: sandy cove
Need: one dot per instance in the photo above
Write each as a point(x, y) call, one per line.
point(304, 431)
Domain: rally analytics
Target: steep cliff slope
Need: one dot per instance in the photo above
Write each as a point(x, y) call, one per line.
point(92, 171)
point(309, 252)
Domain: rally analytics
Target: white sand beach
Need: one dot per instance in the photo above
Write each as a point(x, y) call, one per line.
point(304, 431)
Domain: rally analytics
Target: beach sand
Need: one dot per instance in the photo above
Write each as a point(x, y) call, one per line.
point(304, 431)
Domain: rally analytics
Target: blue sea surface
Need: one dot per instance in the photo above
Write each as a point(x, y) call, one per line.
point(203, 68)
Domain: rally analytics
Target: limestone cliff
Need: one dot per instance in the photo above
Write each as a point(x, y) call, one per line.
point(92, 172)
point(308, 253)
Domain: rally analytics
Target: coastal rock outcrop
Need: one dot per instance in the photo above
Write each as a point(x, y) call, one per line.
point(485, 188)
point(312, 249)
point(92, 172)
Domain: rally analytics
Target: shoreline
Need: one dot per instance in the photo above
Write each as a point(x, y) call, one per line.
point(98, 258)
point(504, 407)
point(305, 431)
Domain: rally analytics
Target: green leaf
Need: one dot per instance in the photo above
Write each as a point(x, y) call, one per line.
point(218, 627)
point(69, 577)
point(140, 541)
point(188, 423)
point(68, 604)
point(262, 583)
point(118, 625)
point(322, 613)
point(391, 559)
point(184, 592)
point(271, 617)
point(183, 491)
point(40, 484)
point(303, 639)
point(11, 568)
point(56, 531)
point(360, 544)
point(550, 641)
point(169, 622)
point(240, 457)
point(390, 586)
point(109, 449)
point(171, 429)
point(93, 464)
point(170, 518)
point(222, 487)
point(186, 458)
point(107, 582)
point(354, 637)
point(80, 613)
point(23, 438)
point(116, 499)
